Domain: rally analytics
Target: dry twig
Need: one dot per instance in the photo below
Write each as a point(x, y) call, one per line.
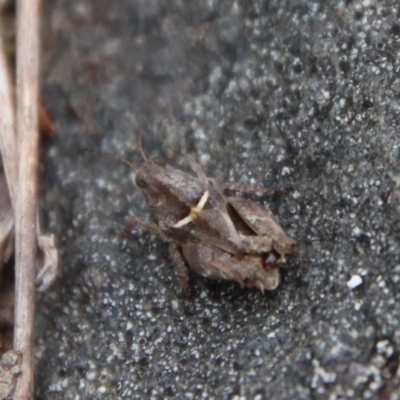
point(25, 228)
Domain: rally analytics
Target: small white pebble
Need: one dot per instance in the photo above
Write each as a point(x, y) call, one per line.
point(91, 375)
point(101, 389)
point(174, 304)
point(354, 281)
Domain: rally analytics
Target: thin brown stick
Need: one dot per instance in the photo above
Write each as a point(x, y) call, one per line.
point(25, 227)
point(8, 139)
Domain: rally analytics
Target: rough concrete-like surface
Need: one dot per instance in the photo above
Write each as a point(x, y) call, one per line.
point(283, 94)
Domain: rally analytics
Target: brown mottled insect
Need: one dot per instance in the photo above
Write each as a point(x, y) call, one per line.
point(217, 236)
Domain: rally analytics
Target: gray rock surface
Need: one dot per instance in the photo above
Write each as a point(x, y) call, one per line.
point(298, 95)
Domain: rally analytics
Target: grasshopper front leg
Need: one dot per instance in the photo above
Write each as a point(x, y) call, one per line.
point(181, 270)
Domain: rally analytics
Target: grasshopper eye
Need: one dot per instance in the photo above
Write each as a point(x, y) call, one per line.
point(141, 181)
point(158, 161)
point(270, 260)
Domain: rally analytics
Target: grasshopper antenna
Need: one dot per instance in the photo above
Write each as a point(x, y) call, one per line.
point(141, 148)
point(112, 155)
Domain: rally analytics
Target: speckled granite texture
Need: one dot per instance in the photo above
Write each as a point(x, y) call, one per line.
point(299, 95)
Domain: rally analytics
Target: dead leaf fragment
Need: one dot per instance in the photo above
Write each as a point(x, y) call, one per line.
point(48, 262)
point(9, 369)
point(6, 222)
